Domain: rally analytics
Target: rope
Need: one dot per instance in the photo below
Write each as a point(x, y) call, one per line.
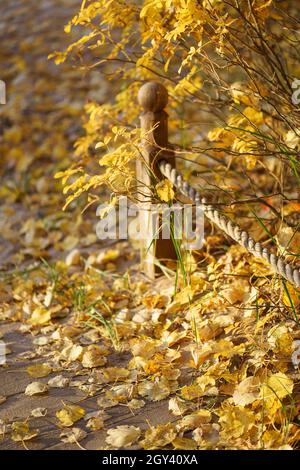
point(286, 270)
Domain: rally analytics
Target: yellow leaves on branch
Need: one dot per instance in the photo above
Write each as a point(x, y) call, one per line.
point(60, 57)
point(65, 175)
point(103, 143)
point(240, 132)
point(190, 84)
point(252, 116)
point(242, 95)
point(154, 28)
point(117, 174)
point(119, 158)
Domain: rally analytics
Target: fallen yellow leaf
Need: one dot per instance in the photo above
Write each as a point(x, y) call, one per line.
point(70, 414)
point(39, 370)
point(158, 437)
point(123, 436)
point(22, 432)
point(36, 388)
point(40, 316)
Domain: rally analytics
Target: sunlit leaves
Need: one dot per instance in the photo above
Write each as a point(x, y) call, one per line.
point(73, 435)
point(165, 190)
point(280, 339)
point(94, 356)
point(155, 390)
point(70, 414)
point(36, 388)
point(39, 370)
point(216, 350)
point(274, 390)
point(22, 432)
point(158, 437)
point(247, 391)
point(122, 436)
point(236, 421)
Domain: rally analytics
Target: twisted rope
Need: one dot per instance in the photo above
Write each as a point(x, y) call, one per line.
point(234, 231)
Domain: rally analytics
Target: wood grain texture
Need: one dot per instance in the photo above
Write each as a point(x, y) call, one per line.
point(153, 97)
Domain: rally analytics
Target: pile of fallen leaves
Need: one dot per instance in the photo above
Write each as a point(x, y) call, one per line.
point(97, 356)
point(219, 358)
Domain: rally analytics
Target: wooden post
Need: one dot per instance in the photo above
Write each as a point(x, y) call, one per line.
point(153, 97)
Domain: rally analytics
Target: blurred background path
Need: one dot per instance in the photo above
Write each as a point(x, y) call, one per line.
point(38, 126)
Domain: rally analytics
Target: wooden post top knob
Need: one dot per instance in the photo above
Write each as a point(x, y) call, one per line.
point(153, 97)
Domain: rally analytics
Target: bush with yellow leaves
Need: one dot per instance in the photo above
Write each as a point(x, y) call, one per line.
point(229, 68)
